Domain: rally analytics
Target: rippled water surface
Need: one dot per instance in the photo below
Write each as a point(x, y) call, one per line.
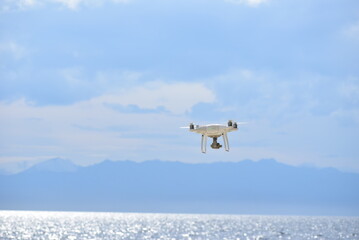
point(86, 225)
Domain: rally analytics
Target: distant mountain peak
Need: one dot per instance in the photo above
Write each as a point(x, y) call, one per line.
point(55, 165)
point(268, 160)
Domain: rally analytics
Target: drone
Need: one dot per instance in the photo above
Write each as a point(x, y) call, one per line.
point(214, 131)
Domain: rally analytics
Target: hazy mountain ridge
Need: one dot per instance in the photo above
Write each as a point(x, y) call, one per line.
point(52, 165)
point(158, 186)
point(55, 165)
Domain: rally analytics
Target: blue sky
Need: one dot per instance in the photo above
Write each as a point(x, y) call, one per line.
point(115, 79)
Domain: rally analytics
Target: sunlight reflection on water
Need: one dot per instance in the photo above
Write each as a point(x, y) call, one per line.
point(89, 225)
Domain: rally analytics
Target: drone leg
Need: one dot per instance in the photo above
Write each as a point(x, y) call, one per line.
point(204, 143)
point(225, 140)
point(202, 140)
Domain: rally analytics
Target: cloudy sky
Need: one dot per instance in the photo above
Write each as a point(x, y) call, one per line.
point(115, 79)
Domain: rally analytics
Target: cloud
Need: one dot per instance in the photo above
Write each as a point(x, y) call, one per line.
point(252, 3)
point(349, 90)
point(75, 4)
point(8, 5)
point(94, 130)
point(83, 131)
point(266, 95)
point(177, 98)
point(352, 31)
point(13, 49)
point(71, 4)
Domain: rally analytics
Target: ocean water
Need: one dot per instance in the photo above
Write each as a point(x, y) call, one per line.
point(89, 225)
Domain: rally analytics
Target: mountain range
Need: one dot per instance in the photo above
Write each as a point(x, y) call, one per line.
point(245, 187)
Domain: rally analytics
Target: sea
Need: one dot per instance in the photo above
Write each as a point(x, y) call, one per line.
point(98, 225)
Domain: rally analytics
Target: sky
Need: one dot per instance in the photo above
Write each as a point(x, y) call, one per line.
point(116, 79)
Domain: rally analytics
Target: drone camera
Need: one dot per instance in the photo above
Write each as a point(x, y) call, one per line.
point(215, 144)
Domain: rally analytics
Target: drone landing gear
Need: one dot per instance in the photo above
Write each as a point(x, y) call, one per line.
point(204, 143)
point(225, 141)
point(215, 144)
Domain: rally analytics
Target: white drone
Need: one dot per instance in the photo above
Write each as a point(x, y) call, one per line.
point(214, 131)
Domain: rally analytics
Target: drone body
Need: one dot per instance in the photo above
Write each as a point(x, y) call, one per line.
point(214, 131)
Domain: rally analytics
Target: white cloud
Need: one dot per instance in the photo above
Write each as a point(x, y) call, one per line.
point(268, 96)
point(7, 5)
point(91, 131)
point(75, 4)
point(26, 3)
point(71, 4)
point(178, 98)
point(252, 3)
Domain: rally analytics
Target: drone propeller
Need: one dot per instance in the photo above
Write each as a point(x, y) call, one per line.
point(191, 126)
point(232, 121)
point(234, 124)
